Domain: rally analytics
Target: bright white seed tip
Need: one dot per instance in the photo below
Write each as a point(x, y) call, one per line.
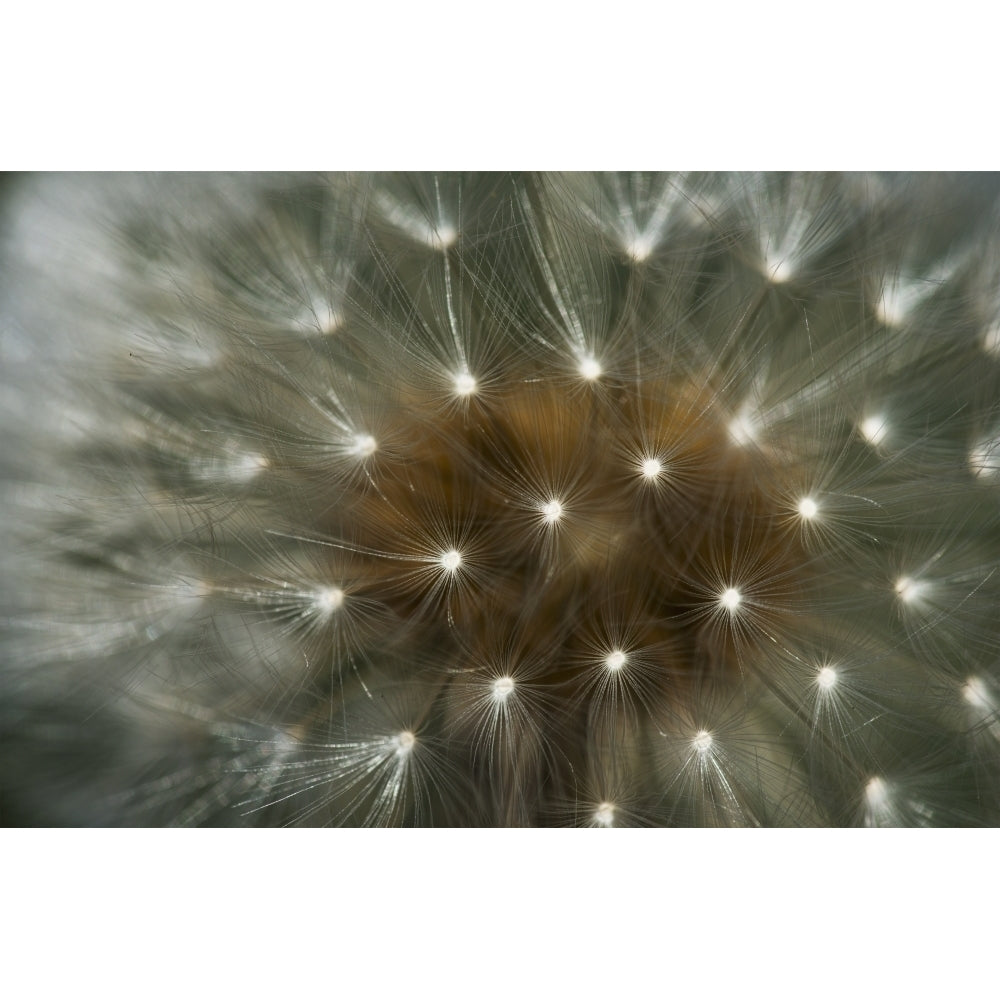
point(908, 589)
point(984, 461)
point(702, 741)
point(590, 368)
point(604, 814)
point(329, 599)
point(651, 468)
point(451, 560)
point(465, 384)
point(975, 693)
point(743, 430)
point(247, 467)
point(640, 248)
point(364, 445)
point(808, 508)
point(877, 793)
point(503, 687)
point(826, 678)
point(731, 599)
point(443, 237)
point(778, 271)
point(403, 743)
point(991, 340)
point(552, 511)
point(616, 661)
point(874, 430)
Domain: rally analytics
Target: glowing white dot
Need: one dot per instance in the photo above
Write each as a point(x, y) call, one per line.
point(877, 793)
point(364, 445)
point(604, 814)
point(744, 430)
point(443, 236)
point(808, 508)
point(731, 599)
point(616, 660)
point(874, 430)
point(552, 511)
point(403, 743)
point(826, 678)
point(651, 468)
point(975, 693)
point(991, 339)
point(451, 560)
point(329, 599)
point(702, 741)
point(908, 590)
point(640, 247)
point(465, 384)
point(984, 461)
point(590, 368)
point(503, 687)
point(248, 466)
point(778, 270)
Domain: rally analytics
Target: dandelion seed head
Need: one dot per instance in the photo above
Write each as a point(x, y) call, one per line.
point(604, 814)
point(702, 742)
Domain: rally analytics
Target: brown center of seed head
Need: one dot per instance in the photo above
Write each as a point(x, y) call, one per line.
point(594, 525)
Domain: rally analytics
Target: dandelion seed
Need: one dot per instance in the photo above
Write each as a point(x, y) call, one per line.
point(909, 590)
point(984, 461)
point(877, 794)
point(616, 660)
point(808, 508)
point(826, 678)
point(552, 511)
point(604, 814)
point(744, 430)
point(403, 743)
point(778, 270)
point(702, 742)
point(730, 599)
point(465, 384)
point(976, 694)
point(651, 468)
point(874, 430)
point(363, 446)
point(329, 599)
point(590, 368)
point(451, 560)
point(503, 688)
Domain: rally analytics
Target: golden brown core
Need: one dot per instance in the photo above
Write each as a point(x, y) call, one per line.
point(629, 530)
